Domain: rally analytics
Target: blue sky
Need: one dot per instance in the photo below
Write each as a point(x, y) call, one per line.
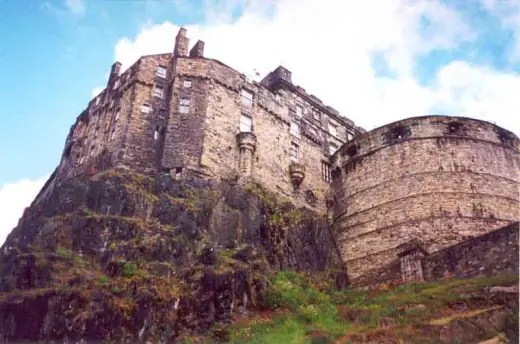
point(375, 61)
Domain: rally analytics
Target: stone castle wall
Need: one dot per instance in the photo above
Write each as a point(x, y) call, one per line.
point(131, 124)
point(436, 180)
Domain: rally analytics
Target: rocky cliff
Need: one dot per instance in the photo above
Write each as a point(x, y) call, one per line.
point(127, 257)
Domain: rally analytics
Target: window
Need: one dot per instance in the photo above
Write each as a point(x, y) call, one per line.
point(184, 106)
point(333, 129)
point(146, 108)
point(112, 102)
point(316, 115)
point(245, 124)
point(117, 116)
point(325, 172)
point(333, 147)
point(294, 151)
point(295, 129)
point(158, 91)
point(186, 83)
point(97, 100)
point(92, 150)
point(113, 134)
point(299, 111)
point(161, 72)
point(156, 134)
point(116, 84)
point(81, 160)
point(349, 136)
point(278, 97)
point(247, 100)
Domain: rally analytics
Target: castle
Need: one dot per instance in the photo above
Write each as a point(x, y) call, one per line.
point(409, 187)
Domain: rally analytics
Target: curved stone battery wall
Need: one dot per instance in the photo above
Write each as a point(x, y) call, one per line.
point(431, 180)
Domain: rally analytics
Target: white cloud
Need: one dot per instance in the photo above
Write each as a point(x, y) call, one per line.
point(75, 6)
point(508, 12)
point(331, 56)
point(96, 91)
point(14, 198)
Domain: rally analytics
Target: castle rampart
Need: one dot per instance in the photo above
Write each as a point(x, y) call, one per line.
point(438, 180)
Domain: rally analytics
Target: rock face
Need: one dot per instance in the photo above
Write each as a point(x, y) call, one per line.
point(131, 258)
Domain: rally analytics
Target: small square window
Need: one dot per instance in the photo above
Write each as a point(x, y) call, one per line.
point(299, 111)
point(247, 100)
point(294, 150)
point(333, 129)
point(184, 106)
point(245, 124)
point(186, 83)
point(295, 129)
point(146, 108)
point(158, 91)
point(161, 72)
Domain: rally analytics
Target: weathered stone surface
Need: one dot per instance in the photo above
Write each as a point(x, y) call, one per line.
point(131, 258)
point(437, 180)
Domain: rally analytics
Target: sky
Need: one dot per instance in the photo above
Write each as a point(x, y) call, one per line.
point(376, 61)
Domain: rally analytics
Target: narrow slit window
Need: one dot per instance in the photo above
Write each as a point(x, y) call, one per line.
point(295, 151)
point(325, 172)
point(247, 101)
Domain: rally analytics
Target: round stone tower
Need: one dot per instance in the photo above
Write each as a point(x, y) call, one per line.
point(434, 181)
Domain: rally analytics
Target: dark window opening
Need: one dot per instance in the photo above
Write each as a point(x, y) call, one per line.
point(352, 151)
point(178, 170)
point(455, 128)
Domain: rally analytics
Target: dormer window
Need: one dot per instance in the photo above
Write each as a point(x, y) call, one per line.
point(161, 72)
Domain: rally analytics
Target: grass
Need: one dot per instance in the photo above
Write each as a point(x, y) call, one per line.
point(298, 312)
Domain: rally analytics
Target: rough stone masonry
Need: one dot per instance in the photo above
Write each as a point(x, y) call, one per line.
point(435, 180)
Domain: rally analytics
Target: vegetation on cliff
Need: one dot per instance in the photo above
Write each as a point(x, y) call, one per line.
point(296, 310)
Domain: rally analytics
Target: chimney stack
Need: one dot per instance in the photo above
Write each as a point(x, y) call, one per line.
point(198, 49)
point(181, 44)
